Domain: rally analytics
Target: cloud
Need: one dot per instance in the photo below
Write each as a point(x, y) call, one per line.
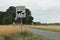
point(41, 10)
point(33, 4)
point(4, 4)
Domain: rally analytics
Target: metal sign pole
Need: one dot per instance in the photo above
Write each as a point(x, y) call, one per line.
point(20, 13)
point(22, 29)
point(21, 24)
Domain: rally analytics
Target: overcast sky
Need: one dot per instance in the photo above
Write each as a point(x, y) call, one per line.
point(45, 11)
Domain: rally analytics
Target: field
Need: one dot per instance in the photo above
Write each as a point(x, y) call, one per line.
point(47, 27)
point(14, 32)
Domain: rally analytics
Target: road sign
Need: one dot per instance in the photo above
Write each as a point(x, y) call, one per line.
point(20, 12)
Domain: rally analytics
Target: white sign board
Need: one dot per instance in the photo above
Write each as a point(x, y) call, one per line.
point(20, 12)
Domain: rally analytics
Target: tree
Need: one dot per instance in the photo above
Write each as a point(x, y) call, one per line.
point(12, 12)
point(2, 15)
point(7, 20)
point(28, 12)
point(29, 19)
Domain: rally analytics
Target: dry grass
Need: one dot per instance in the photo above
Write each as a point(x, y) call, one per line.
point(47, 27)
point(12, 29)
point(9, 30)
point(13, 32)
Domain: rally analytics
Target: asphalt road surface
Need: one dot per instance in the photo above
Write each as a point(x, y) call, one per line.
point(46, 35)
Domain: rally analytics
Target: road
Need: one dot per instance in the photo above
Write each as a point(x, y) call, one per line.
point(46, 35)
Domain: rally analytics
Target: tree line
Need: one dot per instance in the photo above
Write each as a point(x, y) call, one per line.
point(8, 17)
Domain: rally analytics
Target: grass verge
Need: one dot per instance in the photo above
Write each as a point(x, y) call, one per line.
point(54, 28)
point(47, 29)
point(22, 36)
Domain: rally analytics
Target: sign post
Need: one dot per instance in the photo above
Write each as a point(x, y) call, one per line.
point(20, 13)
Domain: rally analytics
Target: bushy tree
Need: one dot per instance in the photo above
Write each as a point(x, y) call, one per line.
point(7, 20)
point(12, 12)
point(2, 15)
point(29, 19)
point(8, 17)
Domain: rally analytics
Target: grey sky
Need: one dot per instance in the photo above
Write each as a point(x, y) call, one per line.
point(45, 11)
